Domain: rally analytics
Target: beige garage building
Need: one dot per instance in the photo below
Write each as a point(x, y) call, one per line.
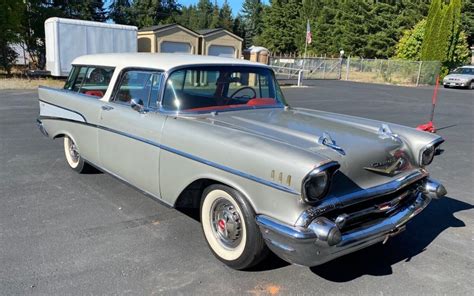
point(220, 42)
point(171, 38)
point(174, 38)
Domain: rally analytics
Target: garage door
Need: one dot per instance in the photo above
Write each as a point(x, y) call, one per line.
point(174, 47)
point(222, 51)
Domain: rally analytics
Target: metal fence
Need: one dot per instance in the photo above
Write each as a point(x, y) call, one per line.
point(398, 72)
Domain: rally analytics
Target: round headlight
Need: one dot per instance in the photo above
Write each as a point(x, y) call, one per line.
point(427, 156)
point(315, 185)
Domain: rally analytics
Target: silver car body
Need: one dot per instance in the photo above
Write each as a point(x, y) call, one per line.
point(461, 77)
point(263, 153)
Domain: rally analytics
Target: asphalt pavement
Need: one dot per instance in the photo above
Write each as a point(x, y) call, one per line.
point(63, 233)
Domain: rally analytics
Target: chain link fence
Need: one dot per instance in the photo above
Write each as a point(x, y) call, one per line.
point(399, 72)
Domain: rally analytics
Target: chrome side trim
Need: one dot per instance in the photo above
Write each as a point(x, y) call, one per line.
point(48, 109)
point(189, 156)
point(334, 202)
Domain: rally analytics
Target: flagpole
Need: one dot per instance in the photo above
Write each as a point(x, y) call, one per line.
point(305, 47)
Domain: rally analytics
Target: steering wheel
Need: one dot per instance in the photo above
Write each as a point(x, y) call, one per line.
point(243, 88)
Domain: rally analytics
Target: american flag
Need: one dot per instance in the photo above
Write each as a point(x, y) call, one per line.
point(309, 37)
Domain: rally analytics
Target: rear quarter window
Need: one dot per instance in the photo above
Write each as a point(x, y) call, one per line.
point(89, 80)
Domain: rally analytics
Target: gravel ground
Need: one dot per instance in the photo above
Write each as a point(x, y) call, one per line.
point(64, 233)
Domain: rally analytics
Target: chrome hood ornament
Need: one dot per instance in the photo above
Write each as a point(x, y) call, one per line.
point(326, 140)
point(385, 132)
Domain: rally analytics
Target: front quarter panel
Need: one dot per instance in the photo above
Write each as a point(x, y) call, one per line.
point(195, 149)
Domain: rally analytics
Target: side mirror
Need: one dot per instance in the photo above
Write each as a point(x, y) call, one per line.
point(137, 105)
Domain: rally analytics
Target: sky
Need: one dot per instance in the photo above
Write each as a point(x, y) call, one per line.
point(236, 5)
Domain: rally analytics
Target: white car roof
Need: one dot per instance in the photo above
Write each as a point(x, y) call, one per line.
point(468, 66)
point(163, 61)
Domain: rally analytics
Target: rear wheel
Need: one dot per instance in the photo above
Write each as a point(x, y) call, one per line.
point(73, 158)
point(228, 223)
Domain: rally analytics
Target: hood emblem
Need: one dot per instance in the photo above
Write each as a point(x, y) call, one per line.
point(385, 132)
point(326, 140)
point(390, 167)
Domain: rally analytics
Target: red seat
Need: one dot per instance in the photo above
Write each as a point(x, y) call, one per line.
point(261, 101)
point(95, 93)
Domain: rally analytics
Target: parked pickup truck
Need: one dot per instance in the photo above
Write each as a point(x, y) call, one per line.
point(217, 134)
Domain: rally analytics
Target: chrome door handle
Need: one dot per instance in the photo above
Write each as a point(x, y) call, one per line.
point(107, 107)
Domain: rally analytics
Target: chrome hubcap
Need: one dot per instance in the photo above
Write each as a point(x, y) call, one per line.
point(226, 223)
point(73, 151)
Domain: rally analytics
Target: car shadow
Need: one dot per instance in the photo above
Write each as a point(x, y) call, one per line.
point(377, 260)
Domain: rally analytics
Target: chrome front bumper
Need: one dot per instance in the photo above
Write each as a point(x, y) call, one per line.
point(322, 241)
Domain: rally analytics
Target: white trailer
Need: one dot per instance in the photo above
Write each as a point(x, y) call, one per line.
point(67, 39)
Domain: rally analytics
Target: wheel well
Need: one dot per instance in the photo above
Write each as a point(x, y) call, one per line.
point(191, 196)
point(59, 136)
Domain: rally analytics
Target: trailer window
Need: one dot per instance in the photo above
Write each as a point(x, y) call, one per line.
point(89, 80)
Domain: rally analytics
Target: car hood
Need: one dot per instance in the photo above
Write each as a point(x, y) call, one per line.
point(362, 144)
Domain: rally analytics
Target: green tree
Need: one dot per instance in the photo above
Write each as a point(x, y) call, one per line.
point(204, 13)
point(92, 10)
point(281, 26)
point(153, 12)
point(467, 20)
point(120, 12)
point(10, 24)
point(409, 46)
point(252, 11)
point(440, 41)
point(214, 17)
point(225, 16)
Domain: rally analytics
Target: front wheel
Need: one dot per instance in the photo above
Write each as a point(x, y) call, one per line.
point(228, 223)
point(73, 158)
point(471, 85)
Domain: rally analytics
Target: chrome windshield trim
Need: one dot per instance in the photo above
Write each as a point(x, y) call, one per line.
point(334, 202)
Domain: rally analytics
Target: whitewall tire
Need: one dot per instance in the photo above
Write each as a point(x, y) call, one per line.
point(228, 223)
point(73, 158)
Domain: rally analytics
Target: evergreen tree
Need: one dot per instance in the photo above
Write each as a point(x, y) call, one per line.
point(281, 26)
point(225, 16)
point(214, 19)
point(91, 10)
point(409, 46)
point(10, 26)
point(252, 11)
point(204, 13)
point(120, 11)
point(442, 33)
point(467, 20)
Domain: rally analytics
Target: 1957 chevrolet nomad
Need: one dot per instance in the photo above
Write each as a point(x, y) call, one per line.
point(217, 134)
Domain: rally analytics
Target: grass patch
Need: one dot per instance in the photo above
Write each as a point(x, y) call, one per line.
point(23, 83)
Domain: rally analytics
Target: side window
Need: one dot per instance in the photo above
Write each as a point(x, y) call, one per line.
point(88, 80)
point(139, 85)
point(96, 81)
point(79, 79)
point(72, 76)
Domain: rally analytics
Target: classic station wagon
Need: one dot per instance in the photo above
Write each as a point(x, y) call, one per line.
point(217, 134)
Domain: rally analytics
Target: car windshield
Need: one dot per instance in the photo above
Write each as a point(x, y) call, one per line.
point(214, 88)
point(466, 71)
